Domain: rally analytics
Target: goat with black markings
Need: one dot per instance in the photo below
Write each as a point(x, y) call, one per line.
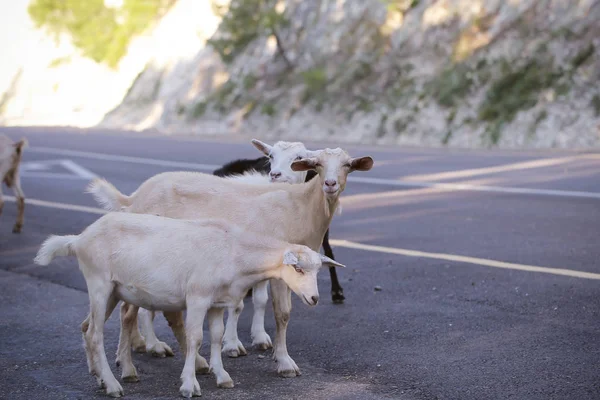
point(262, 165)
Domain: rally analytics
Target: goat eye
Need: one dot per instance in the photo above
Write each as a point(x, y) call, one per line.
point(299, 270)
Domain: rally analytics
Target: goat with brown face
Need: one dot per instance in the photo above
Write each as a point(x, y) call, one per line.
point(10, 159)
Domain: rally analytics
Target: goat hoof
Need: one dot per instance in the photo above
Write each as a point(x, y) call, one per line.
point(17, 228)
point(131, 379)
point(225, 385)
point(202, 367)
point(288, 373)
point(234, 348)
point(140, 349)
point(161, 350)
point(116, 393)
point(287, 367)
point(187, 390)
point(139, 346)
point(232, 353)
point(262, 341)
point(263, 346)
point(114, 390)
point(337, 296)
point(203, 371)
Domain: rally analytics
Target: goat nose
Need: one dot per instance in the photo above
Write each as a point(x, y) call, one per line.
point(315, 299)
point(330, 182)
point(275, 174)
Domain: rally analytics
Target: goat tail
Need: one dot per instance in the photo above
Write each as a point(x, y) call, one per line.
point(107, 195)
point(55, 246)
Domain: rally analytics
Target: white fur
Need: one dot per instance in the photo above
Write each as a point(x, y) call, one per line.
point(106, 195)
point(251, 177)
point(298, 213)
point(166, 264)
point(281, 156)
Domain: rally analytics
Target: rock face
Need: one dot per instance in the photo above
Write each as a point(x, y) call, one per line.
point(468, 73)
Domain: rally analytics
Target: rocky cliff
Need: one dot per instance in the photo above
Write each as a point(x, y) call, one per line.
point(468, 73)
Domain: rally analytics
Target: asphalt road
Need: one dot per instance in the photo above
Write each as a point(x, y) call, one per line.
point(507, 323)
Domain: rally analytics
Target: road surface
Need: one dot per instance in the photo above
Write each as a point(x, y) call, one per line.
point(488, 265)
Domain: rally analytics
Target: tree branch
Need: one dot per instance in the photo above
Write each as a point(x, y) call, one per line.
point(281, 50)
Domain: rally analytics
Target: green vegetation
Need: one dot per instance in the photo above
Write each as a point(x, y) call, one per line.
point(242, 22)
point(453, 84)
point(268, 109)
point(99, 32)
point(516, 90)
point(447, 137)
point(451, 116)
point(401, 124)
point(582, 56)
point(250, 81)
point(400, 5)
point(381, 130)
point(315, 82)
point(59, 61)
point(315, 79)
point(199, 109)
point(595, 103)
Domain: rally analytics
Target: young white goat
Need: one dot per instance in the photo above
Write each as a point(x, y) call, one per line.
point(161, 263)
point(295, 213)
point(10, 159)
point(278, 159)
point(275, 166)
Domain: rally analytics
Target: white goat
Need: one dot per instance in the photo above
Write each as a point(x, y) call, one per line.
point(280, 157)
point(161, 263)
point(295, 213)
point(10, 159)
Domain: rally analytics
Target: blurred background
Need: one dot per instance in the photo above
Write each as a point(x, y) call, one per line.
point(462, 73)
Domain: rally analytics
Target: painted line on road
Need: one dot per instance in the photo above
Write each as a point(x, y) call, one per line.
point(358, 179)
point(478, 188)
point(518, 166)
point(367, 247)
point(464, 259)
point(133, 160)
point(60, 206)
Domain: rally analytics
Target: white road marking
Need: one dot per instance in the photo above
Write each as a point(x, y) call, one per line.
point(133, 160)
point(464, 259)
point(367, 247)
point(358, 179)
point(518, 166)
point(60, 206)
point(76, 171)
point(477, 188)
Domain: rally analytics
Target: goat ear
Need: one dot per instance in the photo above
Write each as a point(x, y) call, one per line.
point(290, 258)
point(306, 164)
point(262, 147)
point(328, 262)
point(361, 164)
